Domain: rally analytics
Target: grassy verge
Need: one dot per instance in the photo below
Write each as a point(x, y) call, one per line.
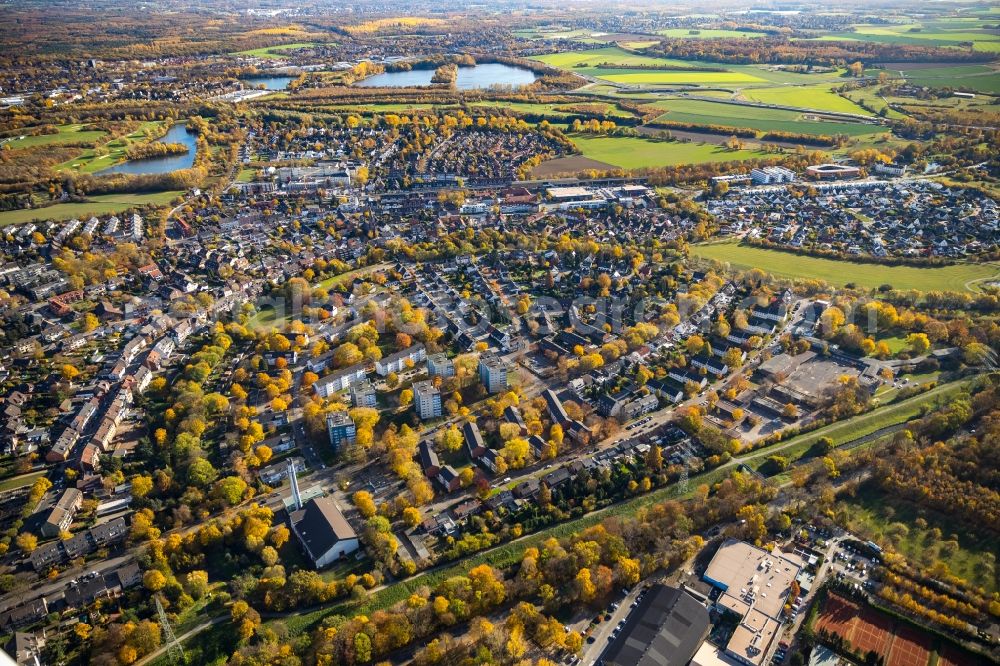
point(20, 481)
point(863, 425)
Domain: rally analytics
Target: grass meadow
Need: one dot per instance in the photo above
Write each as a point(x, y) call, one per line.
point(955, 277)
point(705, 112)
point(76, 133)
point(818, 97)
point(274, 52)
point(92, 160)
point(99, 204)
point(634, 152)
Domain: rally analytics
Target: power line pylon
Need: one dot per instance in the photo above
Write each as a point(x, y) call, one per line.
point(175, 653)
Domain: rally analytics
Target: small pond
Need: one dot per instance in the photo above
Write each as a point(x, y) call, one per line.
point(269, 82)
point(469, 78)
point(176, 134)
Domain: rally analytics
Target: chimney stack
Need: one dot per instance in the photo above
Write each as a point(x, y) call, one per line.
point(295, 485)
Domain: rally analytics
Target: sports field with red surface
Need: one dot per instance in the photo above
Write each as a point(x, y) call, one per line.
point(867, 629)
point(909, 647)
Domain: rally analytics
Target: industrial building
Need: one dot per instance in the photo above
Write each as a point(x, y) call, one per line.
point(754, 585)
point(832, 172)
point(665, 629)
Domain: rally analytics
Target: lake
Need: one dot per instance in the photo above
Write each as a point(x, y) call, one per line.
point(176, 134)
point(469, 78)
point(270, 82)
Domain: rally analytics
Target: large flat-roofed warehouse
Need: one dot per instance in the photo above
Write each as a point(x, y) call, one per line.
point(565, 194)
point(665, 629)
point(755, 584)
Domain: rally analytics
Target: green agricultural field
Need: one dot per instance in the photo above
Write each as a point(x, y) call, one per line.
point(936, 33)
point(635, 153)
point(707, 33)
point(871, 97)
point(612, 55)
point(956, 277)
point(66, 134)
point(779, 75)
point(638, 44)
point(559, 33)
point(977, 77)
point(274, 52)
point(109, 154)
point(99, 204)
point(670, 77)
point(601, 63)
point(815, 97)
point(875, 514)
point(704, 112)
point(672, 71)
point(560, 110)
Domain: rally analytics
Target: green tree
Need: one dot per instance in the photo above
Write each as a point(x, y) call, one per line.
point(362, 648)
point(200, 473)
point(196, 584)
point(231, 489)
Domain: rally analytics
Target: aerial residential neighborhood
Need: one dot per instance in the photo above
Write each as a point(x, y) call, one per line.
point(515, 335)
